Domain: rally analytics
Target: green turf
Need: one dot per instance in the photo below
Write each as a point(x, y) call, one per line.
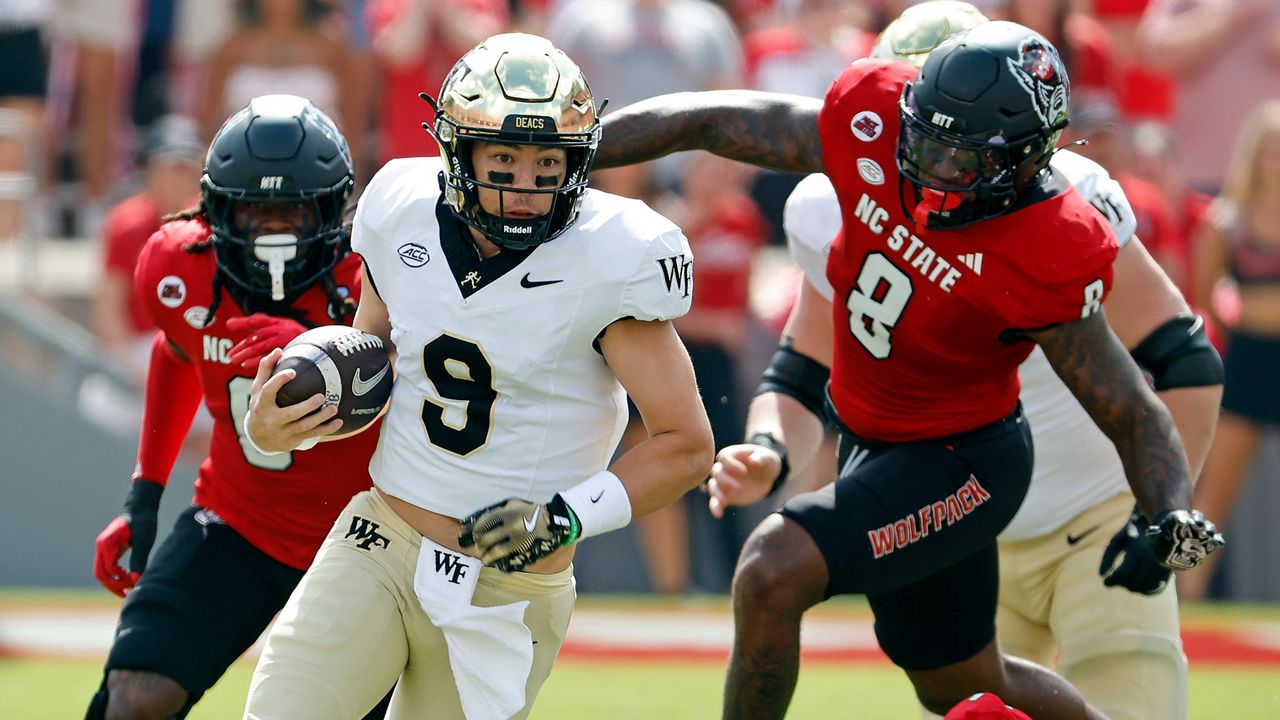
point(589, 690)
point(577, 690)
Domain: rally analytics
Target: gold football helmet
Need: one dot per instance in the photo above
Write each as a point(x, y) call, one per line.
point(516, 89)
point(920, 28)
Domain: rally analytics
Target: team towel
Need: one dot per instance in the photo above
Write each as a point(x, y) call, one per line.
point(490, 648)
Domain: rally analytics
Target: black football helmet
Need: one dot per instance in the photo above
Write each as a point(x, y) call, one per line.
point(979, 123)
point(279, 149)
point(517, 89)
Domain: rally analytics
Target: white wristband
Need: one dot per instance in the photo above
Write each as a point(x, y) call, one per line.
point(600, 502)
point(304, 445)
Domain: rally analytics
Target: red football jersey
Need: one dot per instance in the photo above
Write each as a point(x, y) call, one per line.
point(920, 315)
point(283, 504)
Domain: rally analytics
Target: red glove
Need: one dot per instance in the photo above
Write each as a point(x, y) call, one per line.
point(984, 706)
point(135, 529)
point(265, 333)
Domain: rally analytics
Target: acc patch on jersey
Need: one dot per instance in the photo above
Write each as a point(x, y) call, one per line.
point(871, 171)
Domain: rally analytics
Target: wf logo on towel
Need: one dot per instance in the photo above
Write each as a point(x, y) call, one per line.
point(451, 566)
point(366, 534)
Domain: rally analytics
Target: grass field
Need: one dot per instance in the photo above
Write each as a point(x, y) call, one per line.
point(586, 688)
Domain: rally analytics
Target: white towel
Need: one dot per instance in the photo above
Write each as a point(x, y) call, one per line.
point(490, 648)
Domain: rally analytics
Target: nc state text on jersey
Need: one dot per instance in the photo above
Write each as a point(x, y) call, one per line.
point(912, 249)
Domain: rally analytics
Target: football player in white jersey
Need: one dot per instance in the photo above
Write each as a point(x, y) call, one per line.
point(523, 308)
point(1121, 649)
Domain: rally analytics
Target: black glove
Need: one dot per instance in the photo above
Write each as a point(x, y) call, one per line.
point(1182, 539)
point(1138, 569)
point(515, 533)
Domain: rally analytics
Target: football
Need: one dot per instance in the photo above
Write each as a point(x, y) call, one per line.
point(349, 367)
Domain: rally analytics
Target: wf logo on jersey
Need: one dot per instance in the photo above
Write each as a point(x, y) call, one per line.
point(934, 516)
point(1039, 72)
point(451, 566)
point(366, 534)
point(677, 273)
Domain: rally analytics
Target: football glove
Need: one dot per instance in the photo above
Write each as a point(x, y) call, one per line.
point(264, 333)
point(513, 534)
point(133, 530)
point(1137, 569)
point(1182, 539)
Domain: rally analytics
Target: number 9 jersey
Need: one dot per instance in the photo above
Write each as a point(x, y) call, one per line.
point(501, 390)
point(928, 322)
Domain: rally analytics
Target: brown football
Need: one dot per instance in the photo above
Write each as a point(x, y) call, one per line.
point(349, 367)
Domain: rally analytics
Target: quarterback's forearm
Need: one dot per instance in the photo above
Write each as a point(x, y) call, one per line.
point(659, 470)
point(767, 129)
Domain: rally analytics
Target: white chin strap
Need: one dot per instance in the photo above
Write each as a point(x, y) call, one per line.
point(275, 250)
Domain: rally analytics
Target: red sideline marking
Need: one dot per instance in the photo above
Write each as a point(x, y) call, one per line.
point(1202, 646)
point(1218, 647)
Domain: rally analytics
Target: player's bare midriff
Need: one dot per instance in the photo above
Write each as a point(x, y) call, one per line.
point(444, 530)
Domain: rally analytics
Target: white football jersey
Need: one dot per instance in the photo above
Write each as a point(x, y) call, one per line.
point(1076, 466)
point(500, 389)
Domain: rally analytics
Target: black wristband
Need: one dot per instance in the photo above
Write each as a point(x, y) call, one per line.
point(767, 439)
point(144, 496)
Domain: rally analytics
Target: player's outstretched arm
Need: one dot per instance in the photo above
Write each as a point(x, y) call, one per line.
point(1093, 364)
point(784, 423)
point(772, 130)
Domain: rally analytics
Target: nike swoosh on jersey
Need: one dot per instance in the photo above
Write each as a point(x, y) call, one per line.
point(596, 499)
point(1073, 539)
point(532, 521)
point(525, 282)
point(360, 386)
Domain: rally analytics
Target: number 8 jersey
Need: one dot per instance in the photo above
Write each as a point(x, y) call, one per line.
point(501, 390)
point(927, 322)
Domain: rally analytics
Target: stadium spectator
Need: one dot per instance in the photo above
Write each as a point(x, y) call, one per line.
point(1082, 41)
point(94, 41)
point(922, 373)
point(414, 43)
point(278, 46)
point(547, 304)
point(1240, 242)
point(172, 157)
point(23, 86)
point(1225, 57)
point(235, 555)
point(1156, 157)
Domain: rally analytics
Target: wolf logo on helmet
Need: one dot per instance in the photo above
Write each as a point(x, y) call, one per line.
point(278, 156)
point(522, 90)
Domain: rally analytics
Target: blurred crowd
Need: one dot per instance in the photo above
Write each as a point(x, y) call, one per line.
point(106, 107)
